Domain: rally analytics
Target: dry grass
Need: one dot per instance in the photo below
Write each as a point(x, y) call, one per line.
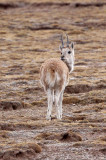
point(30, 34)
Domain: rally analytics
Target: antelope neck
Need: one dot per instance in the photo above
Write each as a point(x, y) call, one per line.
point(69, 65)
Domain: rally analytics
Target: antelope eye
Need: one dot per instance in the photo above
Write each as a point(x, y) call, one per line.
point(61, 52)
point(69, 52)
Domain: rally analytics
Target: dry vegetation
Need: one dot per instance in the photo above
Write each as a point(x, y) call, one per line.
point(29, 34)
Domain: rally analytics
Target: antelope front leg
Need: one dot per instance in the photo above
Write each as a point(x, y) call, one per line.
point(50, 103)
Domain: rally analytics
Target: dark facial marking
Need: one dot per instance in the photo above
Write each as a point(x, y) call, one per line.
point(62, 58)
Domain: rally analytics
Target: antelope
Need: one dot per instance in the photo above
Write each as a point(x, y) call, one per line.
point(54, 77)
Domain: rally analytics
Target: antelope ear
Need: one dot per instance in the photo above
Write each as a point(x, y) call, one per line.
point(60, 48)
point(72, 45)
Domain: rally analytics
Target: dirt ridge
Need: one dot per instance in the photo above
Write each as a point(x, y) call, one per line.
point(48, 4)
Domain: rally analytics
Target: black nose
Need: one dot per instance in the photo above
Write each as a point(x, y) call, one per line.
point(62, 57)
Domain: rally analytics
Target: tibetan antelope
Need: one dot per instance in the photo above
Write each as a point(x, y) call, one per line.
point(54, 76)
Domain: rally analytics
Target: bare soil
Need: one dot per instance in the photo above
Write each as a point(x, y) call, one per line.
point(29, 34)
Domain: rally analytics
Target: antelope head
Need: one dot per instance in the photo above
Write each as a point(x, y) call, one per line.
point(67, 53)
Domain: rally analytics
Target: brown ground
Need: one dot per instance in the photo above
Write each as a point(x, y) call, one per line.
point(29, 34)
